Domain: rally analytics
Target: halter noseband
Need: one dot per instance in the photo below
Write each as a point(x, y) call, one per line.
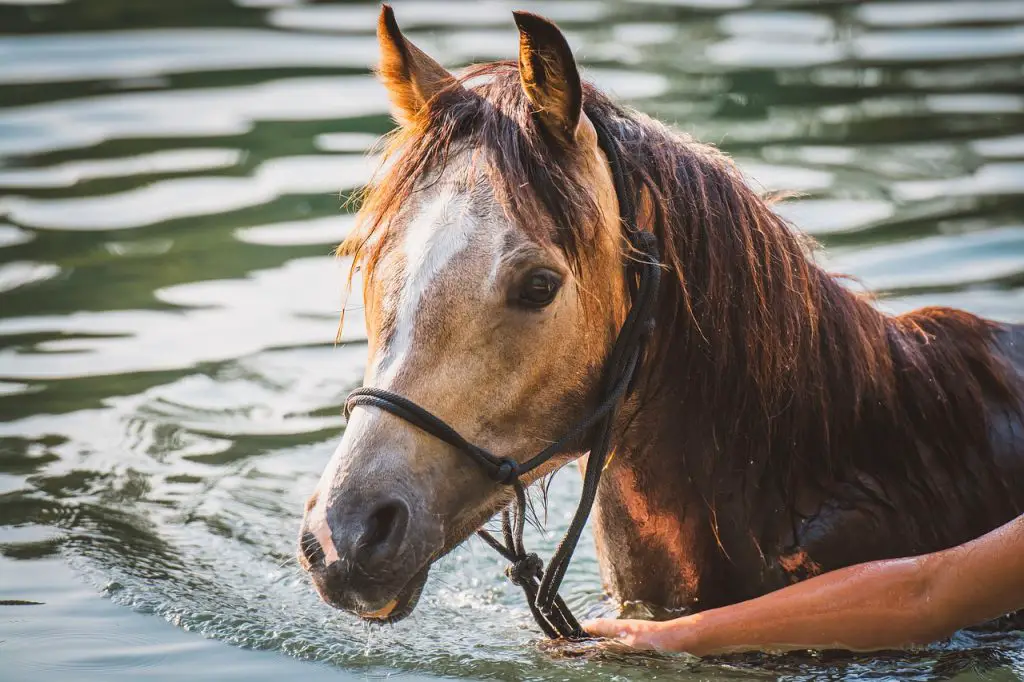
point(643, 274)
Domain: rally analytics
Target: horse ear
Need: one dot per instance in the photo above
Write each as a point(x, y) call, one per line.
point(549, 76)
point(410, 75)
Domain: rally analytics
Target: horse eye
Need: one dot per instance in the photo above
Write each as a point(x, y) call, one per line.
point(539, 288)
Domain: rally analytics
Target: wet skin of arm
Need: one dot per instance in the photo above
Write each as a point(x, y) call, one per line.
point(877, 605)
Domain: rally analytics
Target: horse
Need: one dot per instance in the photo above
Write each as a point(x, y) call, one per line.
point(780, 424)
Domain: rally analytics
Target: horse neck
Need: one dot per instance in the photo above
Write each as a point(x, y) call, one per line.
point(768, 376)
point(748, 325)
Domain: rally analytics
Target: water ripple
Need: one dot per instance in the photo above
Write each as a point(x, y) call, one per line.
point(145, 54)
point(206, 112)
point(75, 172)
point(12, 236)
point(16, 274)
point(910, 14)
point(330, 230)
point(436, 13)
point(195, 196)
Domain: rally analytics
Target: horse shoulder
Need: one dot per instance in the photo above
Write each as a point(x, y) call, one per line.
point(1006, 426)
point(821, 541)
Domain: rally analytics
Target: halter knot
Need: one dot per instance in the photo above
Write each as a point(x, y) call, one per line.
point(525, 569)
point(506, 472)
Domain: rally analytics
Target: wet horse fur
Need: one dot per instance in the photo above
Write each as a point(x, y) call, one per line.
point(783, 425)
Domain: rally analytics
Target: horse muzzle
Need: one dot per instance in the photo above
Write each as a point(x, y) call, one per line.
point(369, 553)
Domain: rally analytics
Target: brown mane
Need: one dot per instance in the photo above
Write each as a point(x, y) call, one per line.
point(796, 379)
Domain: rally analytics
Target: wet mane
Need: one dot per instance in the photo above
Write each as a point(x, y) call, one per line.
point(796, 379)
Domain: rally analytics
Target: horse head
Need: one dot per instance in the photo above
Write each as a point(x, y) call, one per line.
point(491, 253)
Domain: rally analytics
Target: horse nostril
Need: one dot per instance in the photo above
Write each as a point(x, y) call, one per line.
point(385, 528)
point(311, 549)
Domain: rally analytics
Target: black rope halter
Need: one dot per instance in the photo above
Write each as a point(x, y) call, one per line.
point(643, 273)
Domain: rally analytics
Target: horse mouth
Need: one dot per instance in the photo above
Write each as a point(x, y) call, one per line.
point(403, 604)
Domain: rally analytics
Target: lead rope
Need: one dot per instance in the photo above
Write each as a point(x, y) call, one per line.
point(526, 570)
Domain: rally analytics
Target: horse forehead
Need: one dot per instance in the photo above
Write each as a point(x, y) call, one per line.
point(441, 228)
point(451, 227)
point(451, 238)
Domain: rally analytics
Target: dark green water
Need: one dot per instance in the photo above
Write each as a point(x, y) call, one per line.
point(169, 391)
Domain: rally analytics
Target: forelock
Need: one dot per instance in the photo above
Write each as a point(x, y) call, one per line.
point(488, 121)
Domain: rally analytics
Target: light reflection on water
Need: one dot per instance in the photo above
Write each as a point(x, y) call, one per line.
point(170, 390)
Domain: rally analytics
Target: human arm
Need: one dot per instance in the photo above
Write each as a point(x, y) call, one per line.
point(877, 605)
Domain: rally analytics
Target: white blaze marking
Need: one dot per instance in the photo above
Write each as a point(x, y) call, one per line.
point(440, 232)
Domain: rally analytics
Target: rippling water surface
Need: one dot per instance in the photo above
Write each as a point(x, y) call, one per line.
point(169, 390)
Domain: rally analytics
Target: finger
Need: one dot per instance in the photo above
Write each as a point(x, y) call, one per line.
point(609, 628)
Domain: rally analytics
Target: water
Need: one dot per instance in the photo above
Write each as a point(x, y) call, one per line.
point(169, 389)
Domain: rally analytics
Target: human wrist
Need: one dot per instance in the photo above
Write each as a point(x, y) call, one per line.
point(685, 634)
